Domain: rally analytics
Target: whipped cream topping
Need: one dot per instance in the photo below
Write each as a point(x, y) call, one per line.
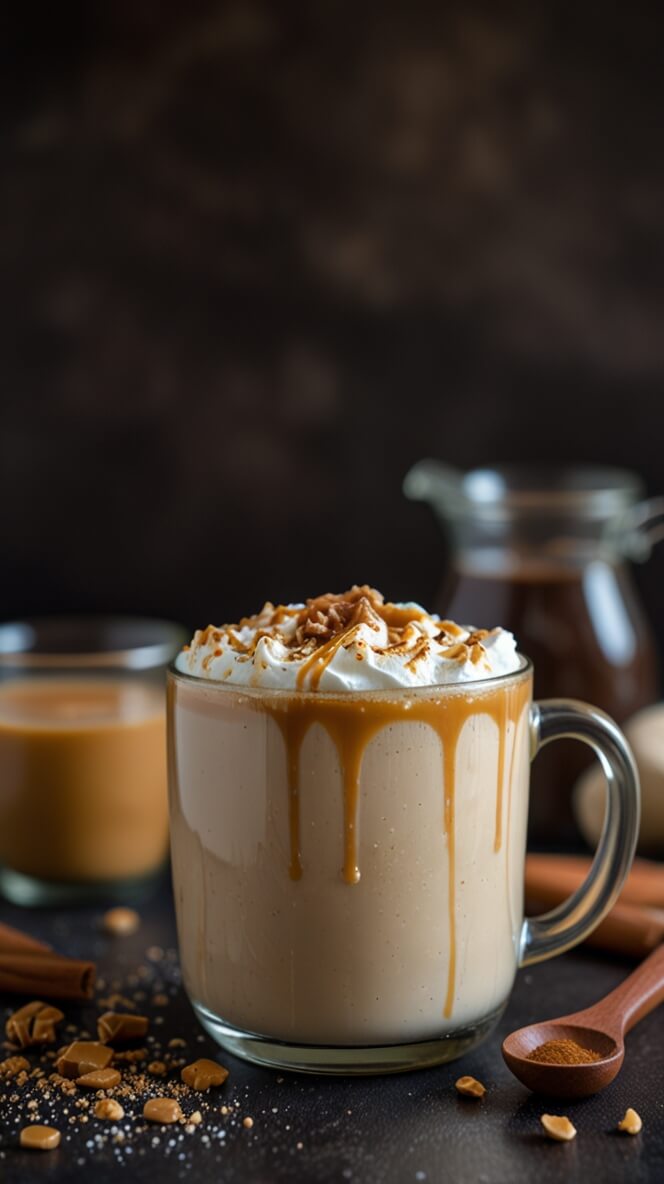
point(354, 641)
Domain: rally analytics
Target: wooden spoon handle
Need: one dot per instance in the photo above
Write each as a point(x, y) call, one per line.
point(635, 998)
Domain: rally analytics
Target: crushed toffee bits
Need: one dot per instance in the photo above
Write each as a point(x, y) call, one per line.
point(108, 1108)
point(12, 1066)
point(131, 1056)
point(117, 1000)
point(631, 1124)
point(121, 922)
point(114, 1027)
point(558, 1127)
point(193, 1121)
point(100, 1079)
point(470, 1087)
point(33, 1024)
point(201, 1074)
point(162, 1110)
point(563, 1052)
point(40, 1138)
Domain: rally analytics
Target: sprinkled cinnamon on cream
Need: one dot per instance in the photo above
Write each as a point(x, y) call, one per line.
point(352, 641)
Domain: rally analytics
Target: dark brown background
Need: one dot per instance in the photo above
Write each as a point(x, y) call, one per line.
point(257, 258)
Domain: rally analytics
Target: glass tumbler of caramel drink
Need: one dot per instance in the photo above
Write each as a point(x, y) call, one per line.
point(83, 795)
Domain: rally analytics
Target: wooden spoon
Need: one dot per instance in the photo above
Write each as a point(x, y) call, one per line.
point(600, 1028)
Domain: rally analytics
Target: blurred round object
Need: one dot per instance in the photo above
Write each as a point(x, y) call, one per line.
point(645, 732)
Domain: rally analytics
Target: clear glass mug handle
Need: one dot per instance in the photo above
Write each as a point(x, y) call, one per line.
point(570, 922)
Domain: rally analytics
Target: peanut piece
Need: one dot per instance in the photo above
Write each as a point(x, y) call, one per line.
point(121, 922)
point(558, 1127)
point(470, 1087)
point(631, 1123)
point(109, 1108)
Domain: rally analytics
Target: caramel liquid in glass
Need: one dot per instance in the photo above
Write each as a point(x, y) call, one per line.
point(83, 792)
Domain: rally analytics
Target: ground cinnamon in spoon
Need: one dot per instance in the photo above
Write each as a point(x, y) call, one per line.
point(563, 1052)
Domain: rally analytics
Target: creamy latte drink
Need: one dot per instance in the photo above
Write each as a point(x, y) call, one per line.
point(349, 795)
point(335, 850)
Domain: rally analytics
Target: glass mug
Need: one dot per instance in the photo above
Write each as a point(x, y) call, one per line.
point(348, 869)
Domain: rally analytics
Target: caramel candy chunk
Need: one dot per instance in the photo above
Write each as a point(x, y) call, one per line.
point(203, 1073)
point(470, 1087)
point(121, 922)
point(114, 1027)
point(558, 1127)
point(12, 1066)
point(40, 1138)
point(109, 1108)
point(33, 1024)
point(43, 1025)
point(100, 1079)
point(163, 1110)
point(631, 1123)
point(82, 1057)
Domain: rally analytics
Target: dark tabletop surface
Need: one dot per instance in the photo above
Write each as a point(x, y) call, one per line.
point(412, 1127)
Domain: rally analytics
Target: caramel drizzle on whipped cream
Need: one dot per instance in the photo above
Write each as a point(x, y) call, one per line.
point(329, 623)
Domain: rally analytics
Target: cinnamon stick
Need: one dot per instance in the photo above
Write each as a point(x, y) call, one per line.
point(15, 941)
point(43, 974)
point(30, 967)
point(629, 929)
point(635, 924)
point(557, 876)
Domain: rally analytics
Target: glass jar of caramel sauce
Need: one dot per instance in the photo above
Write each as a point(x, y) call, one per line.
point(545, 553)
